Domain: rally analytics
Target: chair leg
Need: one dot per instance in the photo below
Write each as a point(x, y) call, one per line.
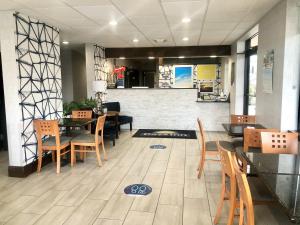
point(58, 161)
point(53, 156)
point(98, 155)
point(72, 155)
point(241, 220)
point(130, 126)
point(81, 153)
point(221, 201)
point(104, 152)
point(201, 165)
point(232, 202)
point(40, 159)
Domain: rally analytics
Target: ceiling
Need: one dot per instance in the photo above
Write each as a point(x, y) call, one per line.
point(213, 22)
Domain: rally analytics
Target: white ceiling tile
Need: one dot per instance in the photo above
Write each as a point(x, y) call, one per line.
point(40, 3)
point(102, 13)
point(8, 5)
point(86, 2)
point(219, 25)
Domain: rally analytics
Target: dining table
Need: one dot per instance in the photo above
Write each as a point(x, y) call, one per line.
point(281, 175)
point(69, 123)
point(237, 130)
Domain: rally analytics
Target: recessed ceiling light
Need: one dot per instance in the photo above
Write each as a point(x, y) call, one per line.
point(160, 40)
point(113, 23)
point(122, 57)
point(186, 20)
point(181, 57)
point(135, 40)
point(151, 57)
point(213, 56)
point(185, 39)
point(65, 42)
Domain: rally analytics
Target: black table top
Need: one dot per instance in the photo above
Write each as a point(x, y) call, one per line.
point(237, 130)
point(72, 122)
point(280, 173)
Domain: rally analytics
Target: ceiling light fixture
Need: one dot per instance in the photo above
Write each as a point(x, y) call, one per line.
point(135, 40)
point(160, 40)
point(122, 57)
point(181, 57)
point(186, 20)
point(213, 56)
point(151, 57)
point(113, 23)
point(185, 39)
point(65, 42)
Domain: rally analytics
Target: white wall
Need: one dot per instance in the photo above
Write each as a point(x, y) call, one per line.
point(169, 109)
point(90, 69)
point(11, 87)
point(67, 75)
point(279, 30)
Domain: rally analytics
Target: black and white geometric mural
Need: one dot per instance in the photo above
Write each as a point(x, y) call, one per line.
point(39, 65)
point(101, 72)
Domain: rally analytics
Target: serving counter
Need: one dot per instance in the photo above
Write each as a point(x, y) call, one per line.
point(169, 108)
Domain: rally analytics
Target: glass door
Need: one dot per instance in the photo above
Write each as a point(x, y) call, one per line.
point(250, 75)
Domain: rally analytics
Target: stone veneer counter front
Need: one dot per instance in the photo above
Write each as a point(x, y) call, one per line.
point(169, 109)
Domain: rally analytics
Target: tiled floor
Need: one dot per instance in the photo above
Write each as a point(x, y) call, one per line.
point(88, 194)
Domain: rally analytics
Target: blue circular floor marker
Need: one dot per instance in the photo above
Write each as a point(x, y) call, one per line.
point(158, 147)
point(138, 189)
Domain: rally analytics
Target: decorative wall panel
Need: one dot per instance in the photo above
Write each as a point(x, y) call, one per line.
point(101, 72)
point(38, 61)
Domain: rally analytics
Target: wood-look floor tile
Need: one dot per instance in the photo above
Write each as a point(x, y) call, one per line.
point(171, 194)
point(76, 196)
point(86, 213)
point(167, 215)
point(158, 167)
point(9, 210)
point(174, 176)
point(154, 180)
point(23, 218)
point(44, 202)
point(138, 218)
point(117, 207)
point(195, 188)
point(146, 203)
point(104, 190)
point(107, 222)
point(196, 211)
point(57, 215)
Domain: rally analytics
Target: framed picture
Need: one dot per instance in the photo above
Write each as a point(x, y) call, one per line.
point(206, 87)
point(207, 72)
point(183, 76)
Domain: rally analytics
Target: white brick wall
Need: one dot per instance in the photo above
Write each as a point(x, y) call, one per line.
point(169, 109)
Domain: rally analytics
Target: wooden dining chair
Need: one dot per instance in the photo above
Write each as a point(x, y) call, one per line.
point(228, 190)
point(252, 138)
point(279, 142)
point(49, 139)
point(229, 186)
point(90, 140)
point(209, 148)
point(242, 119)
point(83, 114)
point(245, 197)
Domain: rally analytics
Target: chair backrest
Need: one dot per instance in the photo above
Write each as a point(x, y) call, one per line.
point(202, 134)
point(226, 162)
point(46, 128)
point(252, 137)
point(279, 142)
point(99, 127)
point(77, 114)
point(242, 119)
point(112, 106)
point(244, 192)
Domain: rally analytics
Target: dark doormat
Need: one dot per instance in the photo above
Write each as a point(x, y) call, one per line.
point(154, 133)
